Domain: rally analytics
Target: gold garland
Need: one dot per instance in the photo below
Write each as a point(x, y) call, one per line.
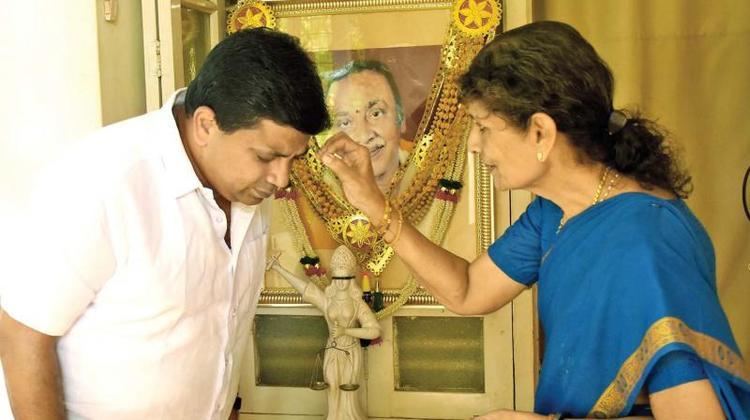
point(439, 135)
point(291, 216)
point(443, 211)
point(440, 140)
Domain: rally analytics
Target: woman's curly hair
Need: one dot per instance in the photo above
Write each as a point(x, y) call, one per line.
point(549, 67)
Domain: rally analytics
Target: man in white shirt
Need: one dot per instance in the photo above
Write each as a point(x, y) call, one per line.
point(149, 241)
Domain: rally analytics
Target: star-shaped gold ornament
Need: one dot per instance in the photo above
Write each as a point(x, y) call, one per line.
point(476, 17)
point(358, 233)
point(251, 14)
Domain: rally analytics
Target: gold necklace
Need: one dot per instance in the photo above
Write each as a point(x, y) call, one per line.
point(396, 180)
point(612, 183)
point(598, 197)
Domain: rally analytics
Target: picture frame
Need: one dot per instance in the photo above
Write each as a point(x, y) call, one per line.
point(424, 37)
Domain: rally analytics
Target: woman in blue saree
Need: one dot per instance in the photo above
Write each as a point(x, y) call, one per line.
point(625, 272)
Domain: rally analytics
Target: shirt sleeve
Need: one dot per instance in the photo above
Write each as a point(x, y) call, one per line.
point(674, 368)
point(66, 254)
point(518, 251)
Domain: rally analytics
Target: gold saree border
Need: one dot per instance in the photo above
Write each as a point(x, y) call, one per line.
point(665, 331)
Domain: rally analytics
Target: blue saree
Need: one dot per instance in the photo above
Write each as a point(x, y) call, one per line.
point(622, 285)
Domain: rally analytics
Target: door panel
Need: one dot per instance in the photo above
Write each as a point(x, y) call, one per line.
point(178, 34)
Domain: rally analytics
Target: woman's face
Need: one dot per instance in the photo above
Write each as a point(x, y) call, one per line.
point(508, 152)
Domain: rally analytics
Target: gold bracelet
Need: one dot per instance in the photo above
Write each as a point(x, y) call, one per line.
point(398, 230)
point(386, 224)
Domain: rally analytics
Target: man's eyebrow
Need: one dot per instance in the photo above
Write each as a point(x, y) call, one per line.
point(275, 153)
point(374, 102)
point(293, 156)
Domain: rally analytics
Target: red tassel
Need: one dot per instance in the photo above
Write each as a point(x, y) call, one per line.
point(446, 195)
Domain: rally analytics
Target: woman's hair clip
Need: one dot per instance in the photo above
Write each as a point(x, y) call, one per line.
point(617, 120)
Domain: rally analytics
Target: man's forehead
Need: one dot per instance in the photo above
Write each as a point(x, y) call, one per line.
point(358, 104)
point(279, 147)
point(366, 84)
point(281, 139)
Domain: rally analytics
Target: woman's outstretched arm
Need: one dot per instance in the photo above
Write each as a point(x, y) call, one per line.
point(465, 288)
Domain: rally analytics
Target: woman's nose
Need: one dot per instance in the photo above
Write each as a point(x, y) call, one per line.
point(474, 145)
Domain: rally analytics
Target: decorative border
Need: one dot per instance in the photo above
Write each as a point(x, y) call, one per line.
point(667, 330)
point(289, 297)
point(283, 9)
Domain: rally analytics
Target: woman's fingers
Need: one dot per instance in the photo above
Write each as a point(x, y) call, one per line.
point(340, 150)
point(351, 164)
point(339, 166)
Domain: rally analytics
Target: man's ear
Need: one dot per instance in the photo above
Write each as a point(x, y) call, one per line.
point(543, 132)
point(204, 124)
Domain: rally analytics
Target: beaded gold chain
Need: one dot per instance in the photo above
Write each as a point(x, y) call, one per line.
point(598, 197)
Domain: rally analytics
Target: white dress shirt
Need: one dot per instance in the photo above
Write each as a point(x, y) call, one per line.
point(129, 266)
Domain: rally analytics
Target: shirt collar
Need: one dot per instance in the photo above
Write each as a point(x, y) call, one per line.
point(182, 177)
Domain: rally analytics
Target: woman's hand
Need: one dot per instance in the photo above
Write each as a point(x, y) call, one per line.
point(351, 164)
point(510, 415)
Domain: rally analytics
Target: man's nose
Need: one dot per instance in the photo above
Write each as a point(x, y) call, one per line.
point(361, 133)
point(278, 175)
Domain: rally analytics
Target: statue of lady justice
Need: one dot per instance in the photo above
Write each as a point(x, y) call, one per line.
point(349, 319)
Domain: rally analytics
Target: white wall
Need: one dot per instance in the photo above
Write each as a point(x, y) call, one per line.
point(64, 73)
point(50, 71)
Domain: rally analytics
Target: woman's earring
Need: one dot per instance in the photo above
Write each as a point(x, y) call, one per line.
point(540, 156)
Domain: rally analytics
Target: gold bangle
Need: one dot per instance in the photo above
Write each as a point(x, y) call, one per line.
point(398, 230)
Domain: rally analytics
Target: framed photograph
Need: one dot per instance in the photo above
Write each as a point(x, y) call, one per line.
point(389, 71)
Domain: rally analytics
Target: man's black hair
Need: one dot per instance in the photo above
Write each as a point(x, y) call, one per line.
point(258, 74)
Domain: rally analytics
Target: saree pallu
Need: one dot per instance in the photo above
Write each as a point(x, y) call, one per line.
point(622, 284)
